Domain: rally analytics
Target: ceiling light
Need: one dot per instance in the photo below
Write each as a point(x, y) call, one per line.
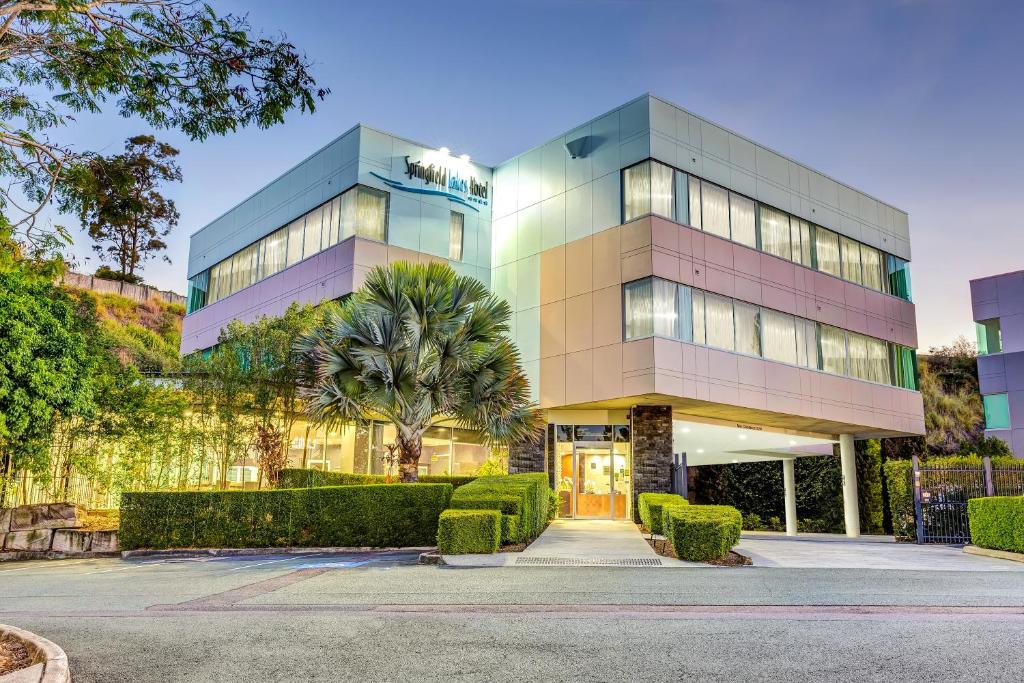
point(735, 460)
point(700, 450)
point(464, 157)
point(742, 436)
point(792, 443)
point(445, 151)
point(686, 430)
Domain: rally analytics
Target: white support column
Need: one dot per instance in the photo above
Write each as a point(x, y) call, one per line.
point(848, 460)
point(789, 483)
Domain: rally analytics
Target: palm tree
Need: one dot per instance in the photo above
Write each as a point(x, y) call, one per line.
point(417, 344)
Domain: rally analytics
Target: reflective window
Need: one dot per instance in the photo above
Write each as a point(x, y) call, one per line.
point(990, 337)
point(748, 336)
point(742, 220)
point(826, 248)
point(456, 234)
point(778, 336)
point(850, 255)
point(775, 233)
point(997, 411)
point(718, 322)
point(832, 349)
point(648, 188)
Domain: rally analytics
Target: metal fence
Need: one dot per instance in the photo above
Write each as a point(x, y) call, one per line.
point(941, 494)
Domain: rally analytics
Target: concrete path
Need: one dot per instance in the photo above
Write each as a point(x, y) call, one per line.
point(823, 551)
point(597, 542)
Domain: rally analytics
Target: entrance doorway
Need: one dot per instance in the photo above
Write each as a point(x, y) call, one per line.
point(594, 481)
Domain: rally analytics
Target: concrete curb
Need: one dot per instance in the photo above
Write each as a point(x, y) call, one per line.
point(231, 552)
point(19, 555)
point(998, 554)
point(50, 664)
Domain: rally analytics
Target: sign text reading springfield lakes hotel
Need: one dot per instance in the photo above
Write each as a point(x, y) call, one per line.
point(447, 178)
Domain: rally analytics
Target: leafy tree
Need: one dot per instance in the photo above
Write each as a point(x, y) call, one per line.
point(870, 500)
point(118, 198)
point(415, 345)
point(173, 63)
point(46, 366)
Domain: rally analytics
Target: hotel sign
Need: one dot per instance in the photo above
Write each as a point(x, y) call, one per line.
point(447, 178)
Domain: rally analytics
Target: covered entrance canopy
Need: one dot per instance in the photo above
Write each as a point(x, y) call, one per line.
point(713, 442)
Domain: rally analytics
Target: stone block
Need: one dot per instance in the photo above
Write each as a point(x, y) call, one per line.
point(104, 542)
point(72, 540)
point(33, 539)
point(5, 520)
point(46, 516)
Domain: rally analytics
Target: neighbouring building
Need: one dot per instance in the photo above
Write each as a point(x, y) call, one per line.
point(682, 294)
point(998, 307)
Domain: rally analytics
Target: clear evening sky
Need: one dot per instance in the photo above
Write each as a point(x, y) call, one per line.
point(916, 102)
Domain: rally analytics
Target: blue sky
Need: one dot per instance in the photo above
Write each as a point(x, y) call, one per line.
point(916, 102)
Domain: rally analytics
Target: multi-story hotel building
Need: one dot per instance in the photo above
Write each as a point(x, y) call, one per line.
point(682, 294)
point(998, 303)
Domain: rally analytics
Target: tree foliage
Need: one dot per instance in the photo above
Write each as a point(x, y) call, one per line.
point(173, 64)
point(119, 200)
point(415, 345)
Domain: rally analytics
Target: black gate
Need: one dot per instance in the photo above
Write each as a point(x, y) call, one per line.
point(940, 496)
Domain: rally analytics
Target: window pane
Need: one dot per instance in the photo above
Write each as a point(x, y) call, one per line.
point(695, 211)
point(826, 245)
point(685, 307)
point(997, 411)
point(851, 260)
point(741, 211)
point(858, 350)
point(274, 254)
point(718, 321)
point(805, 241)
point(665, 313)
point(833, 349)
point(775, 237)
point(682, 198)
point(371, 213)
point(871, 262)
point(898, 272)
point(335, 227)
point(312, 234)
point(806, 343)
point(661, 189)
point(990, 338)
point(639, 313)
point(699, 325)
point(456, 230)
point(295, 242)
point(878, 361)
point(714, 202)
point(778, 336)
point(636, 191)
point(748, 337)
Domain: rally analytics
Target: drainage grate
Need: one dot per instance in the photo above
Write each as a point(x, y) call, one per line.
point(533, 561)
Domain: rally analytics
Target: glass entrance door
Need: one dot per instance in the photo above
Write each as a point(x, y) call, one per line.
point(601, 482)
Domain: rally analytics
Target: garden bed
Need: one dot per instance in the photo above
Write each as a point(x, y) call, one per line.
point(662, 546)
point(13, 655)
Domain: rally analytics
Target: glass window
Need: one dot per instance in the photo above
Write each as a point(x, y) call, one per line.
point(682, 198)
point(990, 337)
point(898, 276)
point(197, 290)
point(801, 241)
point(666, 314)
point(778, 336)
point(714, 203)
point(436, 451)
point(857, 350)
point(456, 234)
point(330, 229)
point(748, 336)
point(639, 309)
point(719, 321)
point(851, 260)
point(563, 433)
point(741, 212)
point(775, 237)
point(469, 451)
point(275, 252)
point(593, 432)
point(622, 433)
point(662, 199)
point(695, 213)
point(699, 320)
point(685, 301)
point(636, 191)
point(295, 229)
point(904, 366)
point(364, 213)
point(806, 343)
point(826, 246)
point(312, 235)
point(997, 411)
point(833, 350)
point(871, 263)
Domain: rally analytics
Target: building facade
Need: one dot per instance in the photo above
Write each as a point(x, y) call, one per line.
point(998, 307)
point(681, 294)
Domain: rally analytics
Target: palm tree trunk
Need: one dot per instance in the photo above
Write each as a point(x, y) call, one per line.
point(409, 458)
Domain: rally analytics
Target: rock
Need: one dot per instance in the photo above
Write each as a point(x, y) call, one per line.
point(104, 542)
point(72, 541)
point(34, 539)
point(5, 520)
point(46, 516)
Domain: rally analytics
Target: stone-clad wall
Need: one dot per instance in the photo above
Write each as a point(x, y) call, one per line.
point(527, 456)
point(652, 451)
point(50, 527)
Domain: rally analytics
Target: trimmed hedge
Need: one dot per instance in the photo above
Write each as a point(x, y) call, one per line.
point(298, 478)
point(650, 506)
point(700, 533)
point(387, 515)
point(469, 531)
point(522, 499)
point(997, 522)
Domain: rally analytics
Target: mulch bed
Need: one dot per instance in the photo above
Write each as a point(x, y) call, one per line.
point(13, 656)
point(665, 549)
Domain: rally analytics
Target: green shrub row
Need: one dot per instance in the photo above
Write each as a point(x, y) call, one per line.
point(469, 531)
point(997, 522)
point(522, 499)
point(650, 506)
point(383, 515)
point(701, 533)
point(297, 478)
